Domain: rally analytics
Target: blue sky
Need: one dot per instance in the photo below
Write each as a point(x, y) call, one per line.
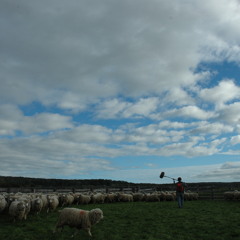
point(120, 90)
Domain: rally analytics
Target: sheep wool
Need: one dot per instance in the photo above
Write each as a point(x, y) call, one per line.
point(3, 203)
point(17, 210)
point(53, 203)
point(37, 205)
point(79, 219)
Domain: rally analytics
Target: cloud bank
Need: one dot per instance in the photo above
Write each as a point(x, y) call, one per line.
point(87, 86)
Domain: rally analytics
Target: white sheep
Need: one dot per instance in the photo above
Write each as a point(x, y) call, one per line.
point(137, 197)
point(3, 203)
point(17, 210)
point(27, 200)
point(66, 199)
point(169, 196)
point(229, 195)
point(44, 198)
point(37, 205)
point(83, 199)
point(53, 203)
point(79, 219)
point(236, 195)
point(97, 198)
point(110, 198)
point(162, 196)
point(125, 197)
point(152, 197)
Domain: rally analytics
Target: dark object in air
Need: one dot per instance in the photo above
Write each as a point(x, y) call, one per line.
point(162, 175)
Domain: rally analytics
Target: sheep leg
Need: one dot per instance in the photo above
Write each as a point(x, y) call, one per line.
point(89, 232)
point(58, 226)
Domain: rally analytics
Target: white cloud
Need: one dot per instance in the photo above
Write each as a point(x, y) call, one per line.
point(230, 113)
point(102, 49)
point(225, 172)
point(179, 97)
point(116, 108)
point(226, 91)
point(235, 140)
point(190, 112)
point(129, 64)
point(143, 107)
point(206, 128)
point(12, 120)
point(189, 174)
point(44, 122)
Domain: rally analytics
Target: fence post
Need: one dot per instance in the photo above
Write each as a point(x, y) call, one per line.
point(212, 193)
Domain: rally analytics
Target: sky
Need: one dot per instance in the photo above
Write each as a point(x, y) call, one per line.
point(120, 90)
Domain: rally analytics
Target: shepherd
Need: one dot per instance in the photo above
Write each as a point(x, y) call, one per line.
point(180, 186)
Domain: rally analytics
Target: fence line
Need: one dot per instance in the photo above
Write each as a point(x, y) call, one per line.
point(205, 193)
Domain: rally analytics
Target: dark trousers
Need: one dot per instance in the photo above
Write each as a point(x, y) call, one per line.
point(180, 199)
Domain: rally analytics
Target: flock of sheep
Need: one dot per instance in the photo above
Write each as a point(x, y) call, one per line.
point(19, 205)
point(232, 195)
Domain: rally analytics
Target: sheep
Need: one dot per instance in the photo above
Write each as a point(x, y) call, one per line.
point(17, 210)
point(169, 196)
point(76, 197)
point(97, 198)
point(236, 195)
point(53, 203)
point(110, 198)
point(151, 197)
point(83, 199)
point(162, 196)
point(193, 196)
point(229, 195)
point(27, 200)
point(137, 197)
point(124, 197)
point(3, 203)
point(78, 218)
point(37, 205)
point(44, 199)
point(66, 199)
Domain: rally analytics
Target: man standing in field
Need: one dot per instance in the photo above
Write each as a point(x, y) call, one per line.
point(180, 192)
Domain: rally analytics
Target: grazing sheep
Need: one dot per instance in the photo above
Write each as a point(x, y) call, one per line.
point(151, 197)
point(162, 196)
point(83, 199)
point(37, 205)
point(110, 198)
point(52, 203)
point(137, 197)
point(3, 203)
point(78, 218)
point(169, 196)
point(66, 199)
point(97, 198)
point(236, 195)
point(44, 198)
point(27, 200)
point(124, 197)
point(229, 195)
point(17, 210)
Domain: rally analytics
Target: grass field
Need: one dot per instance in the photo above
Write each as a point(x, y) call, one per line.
point(198, 220)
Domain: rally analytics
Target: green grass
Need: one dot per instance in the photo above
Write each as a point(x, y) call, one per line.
point(198, 220)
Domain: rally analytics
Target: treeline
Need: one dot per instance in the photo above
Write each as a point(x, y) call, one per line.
point(19, 182)
point(24, 182)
